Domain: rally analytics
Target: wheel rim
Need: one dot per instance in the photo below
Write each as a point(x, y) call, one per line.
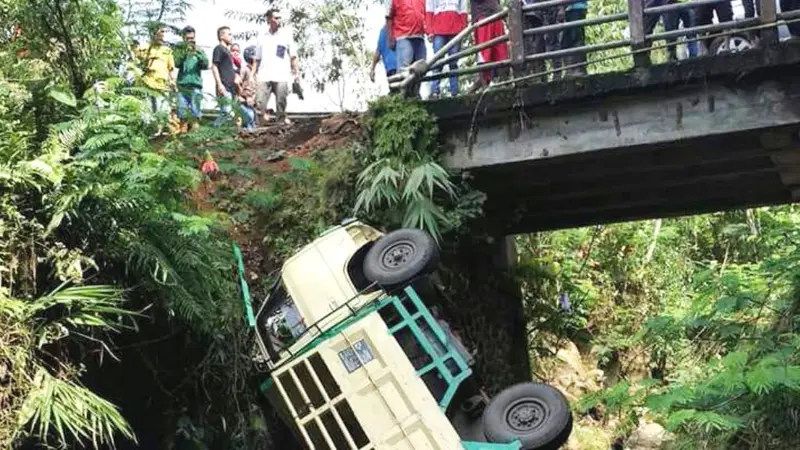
point(398, 255)
point(734, 44)
point(526, 415)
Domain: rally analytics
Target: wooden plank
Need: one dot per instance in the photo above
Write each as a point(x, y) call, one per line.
point(741, 194)
point(515, 27)
point(768, 14)
point(788, 163)
point(638, 40)
point(605, 197)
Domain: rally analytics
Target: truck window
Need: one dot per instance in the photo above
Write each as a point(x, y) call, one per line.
point(280, 319)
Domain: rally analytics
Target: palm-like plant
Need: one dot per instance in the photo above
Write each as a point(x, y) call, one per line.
point(403, 176)
point(43, 395)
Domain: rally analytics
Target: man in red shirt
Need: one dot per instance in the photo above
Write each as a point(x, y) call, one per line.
point(444, 20)
point(482, 9)
point(405, 26)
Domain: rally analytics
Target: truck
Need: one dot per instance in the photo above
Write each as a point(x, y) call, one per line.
point(354, 356)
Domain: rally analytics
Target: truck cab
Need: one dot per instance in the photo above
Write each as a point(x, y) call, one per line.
point(355, 358)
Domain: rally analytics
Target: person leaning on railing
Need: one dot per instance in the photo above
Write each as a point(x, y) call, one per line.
point(444, 19)
point(704, 15)
point(791, 5)
point(405, 26)
point(481, 9)
point(543, 42)
point(574, 37)
point(671, 20)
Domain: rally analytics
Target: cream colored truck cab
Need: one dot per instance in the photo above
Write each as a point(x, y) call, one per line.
point(354, 358)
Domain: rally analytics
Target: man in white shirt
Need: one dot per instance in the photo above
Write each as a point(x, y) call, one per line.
point(277, 54)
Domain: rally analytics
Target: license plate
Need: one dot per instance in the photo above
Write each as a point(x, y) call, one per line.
point(356, 355)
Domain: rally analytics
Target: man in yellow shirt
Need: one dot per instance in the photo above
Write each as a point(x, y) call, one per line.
point(157, 63)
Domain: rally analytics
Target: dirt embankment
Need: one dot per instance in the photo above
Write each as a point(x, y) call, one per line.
point(251, 161)
point(272, 145)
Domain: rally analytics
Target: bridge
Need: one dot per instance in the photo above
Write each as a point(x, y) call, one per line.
point(697, 135)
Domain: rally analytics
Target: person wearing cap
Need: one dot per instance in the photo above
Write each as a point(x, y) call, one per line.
point(191, 62)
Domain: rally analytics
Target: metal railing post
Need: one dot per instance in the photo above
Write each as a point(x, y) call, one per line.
point(768, 14)
point(638, 40)
point(515, 36)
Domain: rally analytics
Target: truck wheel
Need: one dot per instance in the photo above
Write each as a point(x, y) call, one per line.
point(399, 256)
point(536, 414)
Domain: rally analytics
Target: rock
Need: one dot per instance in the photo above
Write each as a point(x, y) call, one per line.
point(589, 435)
point(280, 154)
point(648, 436)
point(572, 357)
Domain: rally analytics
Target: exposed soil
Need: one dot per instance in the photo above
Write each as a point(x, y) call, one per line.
point(271, 145)
point(260, 155)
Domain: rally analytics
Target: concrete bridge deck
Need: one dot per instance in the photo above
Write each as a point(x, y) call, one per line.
point(695, 136)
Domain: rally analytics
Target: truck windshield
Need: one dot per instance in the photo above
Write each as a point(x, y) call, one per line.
point(280, 322)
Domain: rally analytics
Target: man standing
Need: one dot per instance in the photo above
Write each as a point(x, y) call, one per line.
point(405, 25)
point(224, 75)
point(541, 42)
point(482, 9)
point(278, 54)
point(444, 20)
point(157, 65)
point(383, 52)
point(191, 61)
point(573, 38)
point(704, 15)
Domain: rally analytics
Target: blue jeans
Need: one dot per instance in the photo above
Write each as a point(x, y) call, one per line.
point(249, 116)
point(189, 98)
point(225, 108)
point(439, 41)
point(410, 49)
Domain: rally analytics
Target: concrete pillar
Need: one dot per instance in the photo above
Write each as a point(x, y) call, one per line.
point(504, 252)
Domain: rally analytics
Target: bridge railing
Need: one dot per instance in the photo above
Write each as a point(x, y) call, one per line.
point(760, 30)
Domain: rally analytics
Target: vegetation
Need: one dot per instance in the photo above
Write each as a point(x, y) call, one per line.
point(118, 298)
point(715, 359)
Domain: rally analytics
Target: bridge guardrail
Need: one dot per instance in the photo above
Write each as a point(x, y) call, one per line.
point(763, 27)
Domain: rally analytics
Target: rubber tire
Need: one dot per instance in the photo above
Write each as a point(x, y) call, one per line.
point(424, 259)
point(551, 434)
point(722, 40)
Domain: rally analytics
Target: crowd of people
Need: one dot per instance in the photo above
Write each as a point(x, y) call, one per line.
point(410, 22)
point(244, 81)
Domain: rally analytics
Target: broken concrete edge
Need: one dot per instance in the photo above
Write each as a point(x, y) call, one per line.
point(503, 101)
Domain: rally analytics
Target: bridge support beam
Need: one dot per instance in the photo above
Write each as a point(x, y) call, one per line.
point(693, 148)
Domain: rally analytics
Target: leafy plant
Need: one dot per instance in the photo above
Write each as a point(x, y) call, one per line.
point(403, 184)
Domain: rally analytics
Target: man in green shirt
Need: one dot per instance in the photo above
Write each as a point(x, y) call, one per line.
point(190, 62)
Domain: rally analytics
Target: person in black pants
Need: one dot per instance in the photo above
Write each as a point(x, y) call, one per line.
point(751, 8)
point(791, 5)
point(540, 43)
point(704, 14)
point(671, 20)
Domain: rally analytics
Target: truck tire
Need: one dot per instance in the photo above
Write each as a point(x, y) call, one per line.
point(399, 256)
point(536, 414)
